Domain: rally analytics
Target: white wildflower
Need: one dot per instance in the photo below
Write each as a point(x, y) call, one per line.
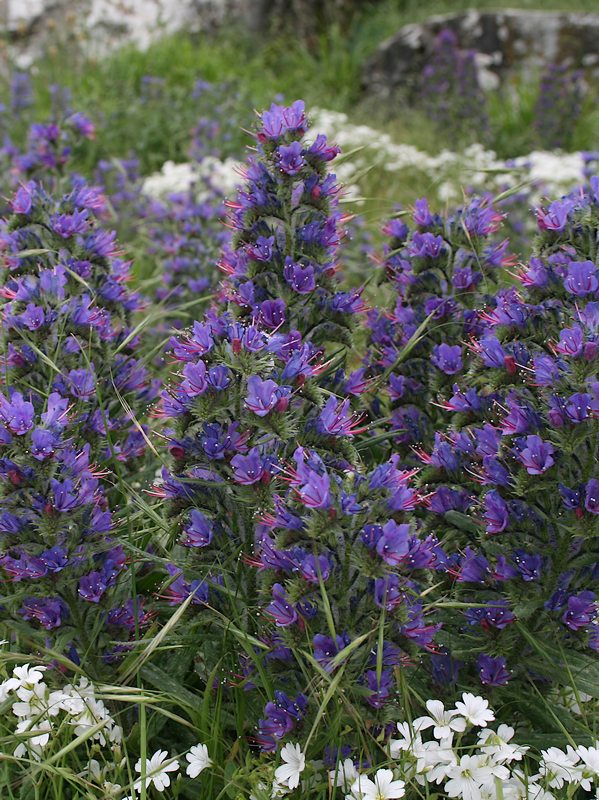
point(288, 774)
point(198, 759)
point(383, 787)
point(558, 767)
point(475, 709)
point(157, 769)
point(443, 722)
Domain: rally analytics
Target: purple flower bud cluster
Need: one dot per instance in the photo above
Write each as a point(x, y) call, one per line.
point(559, 105)
point(66, 312)
point(287, 228)
point(440, 273)
point(511, 478)
point(449, 90)
point(72, 389)
point(186, 238)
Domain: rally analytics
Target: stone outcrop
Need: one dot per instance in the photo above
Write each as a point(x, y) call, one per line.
point(507, 41)
point(29, 28)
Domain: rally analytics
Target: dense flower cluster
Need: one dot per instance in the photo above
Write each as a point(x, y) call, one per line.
point(72, 390)
point(508, 396)
point(465, 757)
point(440, 273)
point(348, 514)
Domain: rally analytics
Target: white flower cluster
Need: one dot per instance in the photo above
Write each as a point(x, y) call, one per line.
point(207, 176)
point(41, 712)
point(449, 171)
point(158, 767)
point(44, 715)
point(463, 762)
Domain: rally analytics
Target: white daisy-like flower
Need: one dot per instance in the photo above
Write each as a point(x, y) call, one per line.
point(383, 787)
point(558, 767)
point(434, 761)
point(344, 775)
point(590, 766)
point(475, 709)
point(198, 759)
point(288, 774)
point(496, 744)
point(444, 722)
point(468, 777)
point(157, 769)
point(24, 677)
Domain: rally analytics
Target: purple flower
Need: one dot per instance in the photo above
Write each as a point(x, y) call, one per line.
point(337, 420)
point(537, 455)
point(380, 690)
point(272, 313)
point(388, 593)
point(426, 245)
point(578, 407)
point(92, 587)
point(43, 444)
point(82, 383)
point(67, 225)
point(581, 611)
point(591, 499)
point(496, 512)
point(291, 158)
point(581, 279)
point(448, 358)
point(280, 120)
point(301, 278)
point(218, 378)
point(23, 199)
point(280, 609)
point(16, 413)
point(474, 567)
point(198, 532)
point(571, 341)
point(325, 649)
point(314, 493)
point(248, 469)
point(263, 396)
point(493, 671)
point(491, 352)
point(393, 545)
point(314, 568)
point(555, 217)
point(33, 317)
point(194, 381)
point(49, 611)
point(528, 564)
point(261, 249)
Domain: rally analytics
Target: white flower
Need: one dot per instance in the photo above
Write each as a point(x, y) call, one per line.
point(383, 787)
point(38, 736)
point(496, 744)
point(468, 776)
point(344, 775)
point(288, 774)
point(24, 677)
point(157, 771)
point(444, 722)
point(590, 770)
point(558, 767)
point(410, 738)
point(475, 709)
point(198, 760)
point(435, 760)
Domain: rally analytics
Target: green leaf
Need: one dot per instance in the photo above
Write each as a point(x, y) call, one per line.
point(462, 521)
